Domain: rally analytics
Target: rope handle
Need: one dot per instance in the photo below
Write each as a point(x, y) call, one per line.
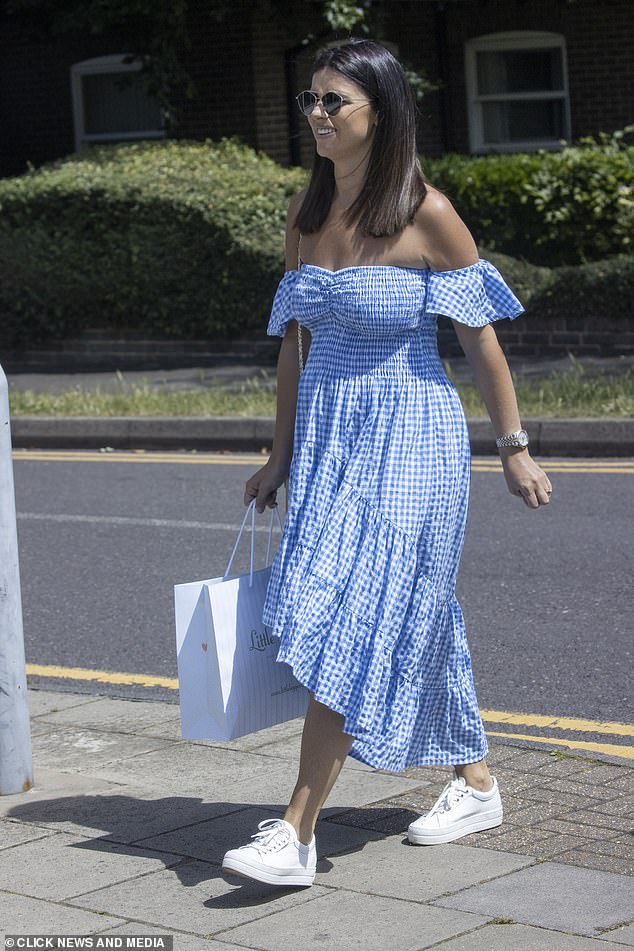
point(251, 508)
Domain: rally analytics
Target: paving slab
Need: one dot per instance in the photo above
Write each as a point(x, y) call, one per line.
point(122, 814)
point(618, 806)
point(50, 785)
point(572, 827)
point(624, 935)
point(528, 840)
point(136, 843)
point(24, 915)
point(381, 817)
point(552, 895)
point(195, 898)
point(567, 801)
point(41, 702)
point(344, 921)
point(182, 941)
point(120, 716)
point(251, 742)
point(62, 866)
point(599, 820)
point(209, 840)
point(394, 868)
point(191, 768)
point(243, 778)
point(40, 726)
point(586, 859)
point(513, 937)
point(83, 750)
point(289, 748)
point(601, 773)
point(16, 833)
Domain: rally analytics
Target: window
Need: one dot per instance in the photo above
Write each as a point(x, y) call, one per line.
point(110, 103)
point(517, 92)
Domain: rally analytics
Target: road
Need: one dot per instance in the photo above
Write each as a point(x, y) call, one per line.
point(546, 594)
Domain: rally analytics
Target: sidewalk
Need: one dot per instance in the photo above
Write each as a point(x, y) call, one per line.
point(125, 829)
point(550, 436)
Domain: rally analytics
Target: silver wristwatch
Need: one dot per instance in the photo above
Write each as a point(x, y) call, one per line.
point(519, 438)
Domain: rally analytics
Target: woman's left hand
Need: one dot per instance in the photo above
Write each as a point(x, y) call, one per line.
point(526, 479)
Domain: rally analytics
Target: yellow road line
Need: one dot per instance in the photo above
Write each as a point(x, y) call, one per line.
point(181, 459)
point(558, 723)
point(478, 464)
point(102, 676)
point(554, 468)
point(610, 749)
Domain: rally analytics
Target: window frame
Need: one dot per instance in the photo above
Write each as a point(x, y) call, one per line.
point(113, 63)
point(501, 42)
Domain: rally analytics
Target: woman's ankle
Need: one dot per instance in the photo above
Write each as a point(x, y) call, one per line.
point(476, 775)
point(303, 830)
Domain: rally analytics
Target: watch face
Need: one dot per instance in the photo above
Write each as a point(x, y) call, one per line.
point(522, 438)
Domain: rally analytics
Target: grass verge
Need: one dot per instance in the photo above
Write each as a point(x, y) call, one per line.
point(569, 393)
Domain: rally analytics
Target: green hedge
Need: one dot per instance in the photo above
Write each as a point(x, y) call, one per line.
point(552, 208)
point(170, 238)
point(598, 294)
point(184, 239)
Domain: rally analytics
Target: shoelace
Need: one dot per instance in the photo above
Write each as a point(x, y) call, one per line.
point(453, 792)
point(271, 835)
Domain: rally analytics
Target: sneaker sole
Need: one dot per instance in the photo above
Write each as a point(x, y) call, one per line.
point(243, 870)
point(466, 827)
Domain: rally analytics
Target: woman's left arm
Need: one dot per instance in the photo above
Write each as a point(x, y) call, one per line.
point(493, 379)
point(447, 243)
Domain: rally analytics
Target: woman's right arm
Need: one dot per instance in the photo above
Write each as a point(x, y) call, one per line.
point(267, 480)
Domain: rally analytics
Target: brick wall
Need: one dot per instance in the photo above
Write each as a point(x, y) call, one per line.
point(240, 71)
point(522, 337)
point(36, 113)
point(269, 83)
point(599, 39)
point(219, 62)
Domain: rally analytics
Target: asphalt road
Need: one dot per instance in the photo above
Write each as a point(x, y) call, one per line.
point(546, 594)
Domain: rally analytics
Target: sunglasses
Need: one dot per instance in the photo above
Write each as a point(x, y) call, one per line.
point(331, 102)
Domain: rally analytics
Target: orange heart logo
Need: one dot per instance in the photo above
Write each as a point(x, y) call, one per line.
point(204, 647)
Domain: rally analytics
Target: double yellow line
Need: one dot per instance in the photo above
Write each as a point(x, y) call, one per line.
point(540, 721)
point(478, 463)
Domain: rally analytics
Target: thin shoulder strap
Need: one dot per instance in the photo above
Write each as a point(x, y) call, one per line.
point(300, 349)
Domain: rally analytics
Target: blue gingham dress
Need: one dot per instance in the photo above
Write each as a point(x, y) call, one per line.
point(362, 587)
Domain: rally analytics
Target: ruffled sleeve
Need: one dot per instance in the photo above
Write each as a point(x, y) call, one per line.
point(282, 310)
point(475, 295)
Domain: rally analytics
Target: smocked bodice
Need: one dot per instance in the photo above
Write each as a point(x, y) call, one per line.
point(377, 300)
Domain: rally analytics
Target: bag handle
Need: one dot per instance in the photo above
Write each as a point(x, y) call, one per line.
point(251, 508)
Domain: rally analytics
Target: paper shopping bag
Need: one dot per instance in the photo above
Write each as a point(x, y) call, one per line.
point(230, 682)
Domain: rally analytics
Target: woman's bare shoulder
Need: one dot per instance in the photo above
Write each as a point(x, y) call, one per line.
point(292, 231)
point(296, 202)
point(447, 241)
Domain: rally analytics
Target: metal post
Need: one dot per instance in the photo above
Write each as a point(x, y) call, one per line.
point(16, 762)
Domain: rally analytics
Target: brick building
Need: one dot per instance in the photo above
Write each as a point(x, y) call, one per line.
point(515, 75)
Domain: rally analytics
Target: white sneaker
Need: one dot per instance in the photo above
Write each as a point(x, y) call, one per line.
point(276, 856)
point(458, 811)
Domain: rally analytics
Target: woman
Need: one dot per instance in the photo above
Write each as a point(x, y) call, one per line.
point(374, 442)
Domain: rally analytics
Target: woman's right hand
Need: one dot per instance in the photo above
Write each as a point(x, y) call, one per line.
point(264, 484)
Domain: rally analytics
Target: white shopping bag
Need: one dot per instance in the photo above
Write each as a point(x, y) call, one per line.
point(230, 683)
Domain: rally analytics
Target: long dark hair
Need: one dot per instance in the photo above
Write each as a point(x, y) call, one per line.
point(394, 185)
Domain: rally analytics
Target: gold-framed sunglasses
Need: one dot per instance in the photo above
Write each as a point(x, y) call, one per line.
point(331, 102)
